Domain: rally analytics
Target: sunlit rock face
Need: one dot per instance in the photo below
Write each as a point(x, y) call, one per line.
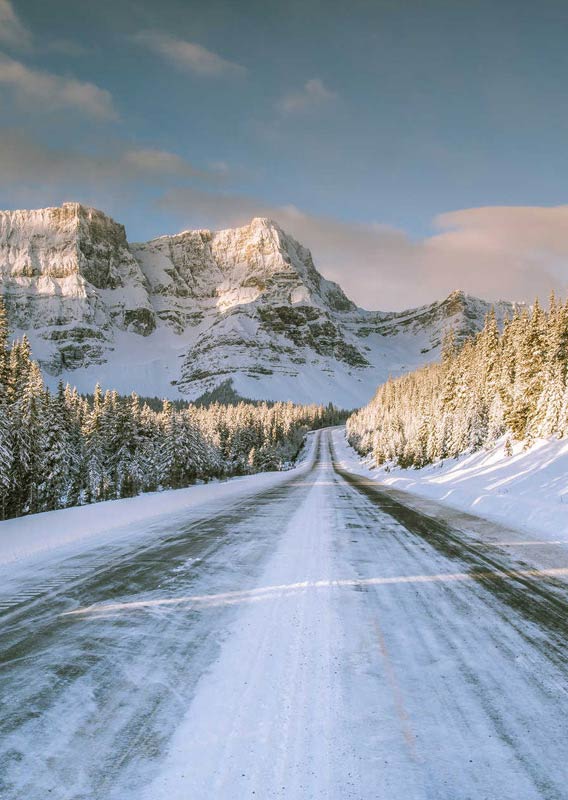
point(181, 314)
point(69, 278)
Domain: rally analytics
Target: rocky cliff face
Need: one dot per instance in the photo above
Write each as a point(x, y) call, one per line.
point(69, 280)
point(181, 314)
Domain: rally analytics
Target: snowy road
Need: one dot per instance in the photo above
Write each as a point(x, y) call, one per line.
point(320, 640)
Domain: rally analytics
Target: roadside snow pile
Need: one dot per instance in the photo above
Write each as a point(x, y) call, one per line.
point(35, 534)
point(527, 490)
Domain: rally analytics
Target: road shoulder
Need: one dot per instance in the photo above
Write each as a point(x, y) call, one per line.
point(525, 548)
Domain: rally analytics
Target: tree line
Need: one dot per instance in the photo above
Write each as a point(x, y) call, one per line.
point(511, 382)
point(60, 449)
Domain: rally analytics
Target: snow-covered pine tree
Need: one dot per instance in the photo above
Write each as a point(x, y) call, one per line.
point(28, 428)
point(57, 456)
point(4, 350)
point(95, 468)
point(6, 456)
point(513, 382)
point(548, 421)
point(530, 375)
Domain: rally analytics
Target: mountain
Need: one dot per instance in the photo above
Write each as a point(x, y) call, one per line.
point(180, 315)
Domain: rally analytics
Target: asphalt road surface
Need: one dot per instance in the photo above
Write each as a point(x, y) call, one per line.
point(320, 640)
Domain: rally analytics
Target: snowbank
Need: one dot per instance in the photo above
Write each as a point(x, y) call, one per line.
point(28, 536)
point(527, 491)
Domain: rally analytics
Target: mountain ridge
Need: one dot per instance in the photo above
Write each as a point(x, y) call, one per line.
point(182, 313)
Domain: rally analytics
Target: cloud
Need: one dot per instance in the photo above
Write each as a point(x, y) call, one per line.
point(25, 164)
point(161, 162)
point(34, 87)
point(313, 94)
point(188, 56)
point(13, 32)
point(15, 35)
point(496, 252)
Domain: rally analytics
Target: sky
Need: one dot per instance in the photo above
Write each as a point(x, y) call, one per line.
point(416, 146)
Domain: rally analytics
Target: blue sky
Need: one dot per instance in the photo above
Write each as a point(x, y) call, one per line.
point(354, 125)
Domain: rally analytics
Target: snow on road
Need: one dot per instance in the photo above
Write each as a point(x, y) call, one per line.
point(319, 641)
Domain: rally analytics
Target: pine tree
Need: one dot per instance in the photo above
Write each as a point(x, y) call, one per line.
point(167, 456)
point(27, 436)
point(95, 469)
point(57, 453)
point(548, 420)
point(4, 351)
point(515, 383)
point(6, 456)
point(530, 374)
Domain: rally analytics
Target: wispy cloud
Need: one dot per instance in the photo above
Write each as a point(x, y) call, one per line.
point(13, 33)
point(188, 56)
point(494, 252)
point(25, 162)
point(313, 94)
point(33, 87)
point(161, 162)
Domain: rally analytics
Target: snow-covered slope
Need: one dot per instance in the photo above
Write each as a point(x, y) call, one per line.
point(181, 314)
point(527, 490)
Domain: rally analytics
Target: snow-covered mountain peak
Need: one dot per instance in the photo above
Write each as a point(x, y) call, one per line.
point(264, 223)
point(60, 241)
point(240, 265)
point(183, 313)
